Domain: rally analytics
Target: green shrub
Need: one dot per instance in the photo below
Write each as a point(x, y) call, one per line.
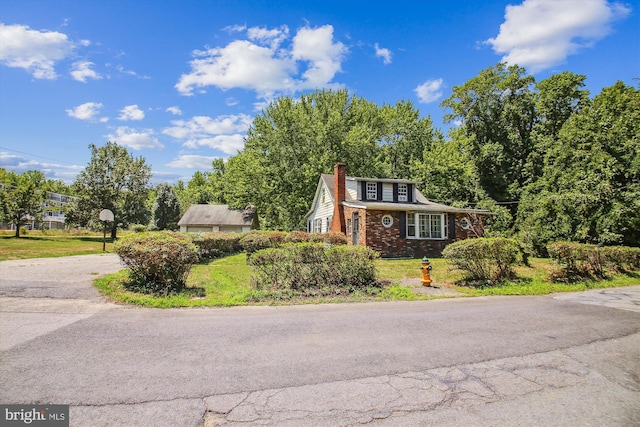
point(159, 262)
point(297, 237)
point(579, 260)
point(260, 239)
point(254, 241)
point(215, 244)
point(314, 269)
point(484, 259)
point(139, 228)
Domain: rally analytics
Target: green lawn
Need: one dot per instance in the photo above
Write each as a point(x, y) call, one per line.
point(40, 245)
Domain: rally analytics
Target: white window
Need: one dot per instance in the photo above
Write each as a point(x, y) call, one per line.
point(430, 226)
point(387, 221)
point(403, 191)
point(317, 226)
point(372, 190)
point(329, 221)
point(411, 225)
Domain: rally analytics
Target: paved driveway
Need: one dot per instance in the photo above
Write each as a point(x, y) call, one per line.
point(38, 296)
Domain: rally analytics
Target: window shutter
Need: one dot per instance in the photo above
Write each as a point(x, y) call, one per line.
point(379, 195)
point(410, 193)
point(395, 193)
point(452, 226)
point(403, 225)
point(363, 190)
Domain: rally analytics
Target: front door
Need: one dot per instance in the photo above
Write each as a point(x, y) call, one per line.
point(355, 237)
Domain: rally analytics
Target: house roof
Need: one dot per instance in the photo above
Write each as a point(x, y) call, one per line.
point(421, 203)
point(209, 215)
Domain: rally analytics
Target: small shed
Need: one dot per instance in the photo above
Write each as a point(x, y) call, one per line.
point(205, 218)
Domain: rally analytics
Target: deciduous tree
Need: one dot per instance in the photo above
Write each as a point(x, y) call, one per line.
point(113, 180)
point(22, 198)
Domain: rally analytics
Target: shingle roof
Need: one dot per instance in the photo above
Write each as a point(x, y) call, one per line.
point(208, 215)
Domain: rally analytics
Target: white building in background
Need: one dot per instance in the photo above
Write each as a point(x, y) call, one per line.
point(52, 214)
point(53, 211)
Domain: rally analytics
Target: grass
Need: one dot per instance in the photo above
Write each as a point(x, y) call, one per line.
point(38, 244)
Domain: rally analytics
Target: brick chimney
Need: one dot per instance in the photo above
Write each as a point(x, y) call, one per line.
point(338, 223)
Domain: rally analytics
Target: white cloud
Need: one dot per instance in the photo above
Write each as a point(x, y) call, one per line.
point(262, 65)
point(135, 139)
point(429, 91)
point(176, 111)
point(131, 112)
point(539, 34)
point(272, 37)
point(190, 161)
point(323, 56)
point(224, 133)
point(35, 51)
point(229, 144)
point(86, 111)
point(123, 70)
point(82, 71)
point(383, 53)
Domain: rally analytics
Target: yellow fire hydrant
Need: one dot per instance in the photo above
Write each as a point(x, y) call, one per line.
point(426, 272)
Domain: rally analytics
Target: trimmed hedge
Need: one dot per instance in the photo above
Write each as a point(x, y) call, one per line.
point(314, 269)
point(159, 262)
point(215, 244)
point(579, 260)
point(484, 259)
point(254, 241)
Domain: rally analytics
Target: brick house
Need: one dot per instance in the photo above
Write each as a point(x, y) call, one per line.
point(390, 216)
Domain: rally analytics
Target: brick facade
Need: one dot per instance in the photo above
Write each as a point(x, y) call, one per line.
point(388, 240)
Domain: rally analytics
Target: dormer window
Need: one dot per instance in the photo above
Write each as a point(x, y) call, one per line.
point(372, 190)
point(403, 191)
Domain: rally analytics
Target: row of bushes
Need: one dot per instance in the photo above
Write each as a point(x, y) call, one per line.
point(314, 269)
point(578, 260)
point(159, 262)
point(215, 244)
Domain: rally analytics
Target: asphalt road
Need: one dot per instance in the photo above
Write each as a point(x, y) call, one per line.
point(478, 361)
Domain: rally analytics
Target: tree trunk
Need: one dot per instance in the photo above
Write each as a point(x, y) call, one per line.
point(114, 229)
point(18, 230)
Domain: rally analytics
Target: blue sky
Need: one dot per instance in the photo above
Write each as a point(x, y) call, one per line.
point(179, 82)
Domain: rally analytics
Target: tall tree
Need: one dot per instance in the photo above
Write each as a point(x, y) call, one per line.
point(22, 197)
point(557, 99)
point(112, 180)
point(292, 142)
point(589, 190)
point(166, 208)
point(406, 138)
point(497, 112)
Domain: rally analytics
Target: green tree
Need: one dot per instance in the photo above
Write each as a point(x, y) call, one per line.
point(112, 180)
point(22, 197)
point(292, 142)
point(497, 113)
point(557, 99)
point(448, 173)
point(407, 137)
point(589, 190)
point(166, 208)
